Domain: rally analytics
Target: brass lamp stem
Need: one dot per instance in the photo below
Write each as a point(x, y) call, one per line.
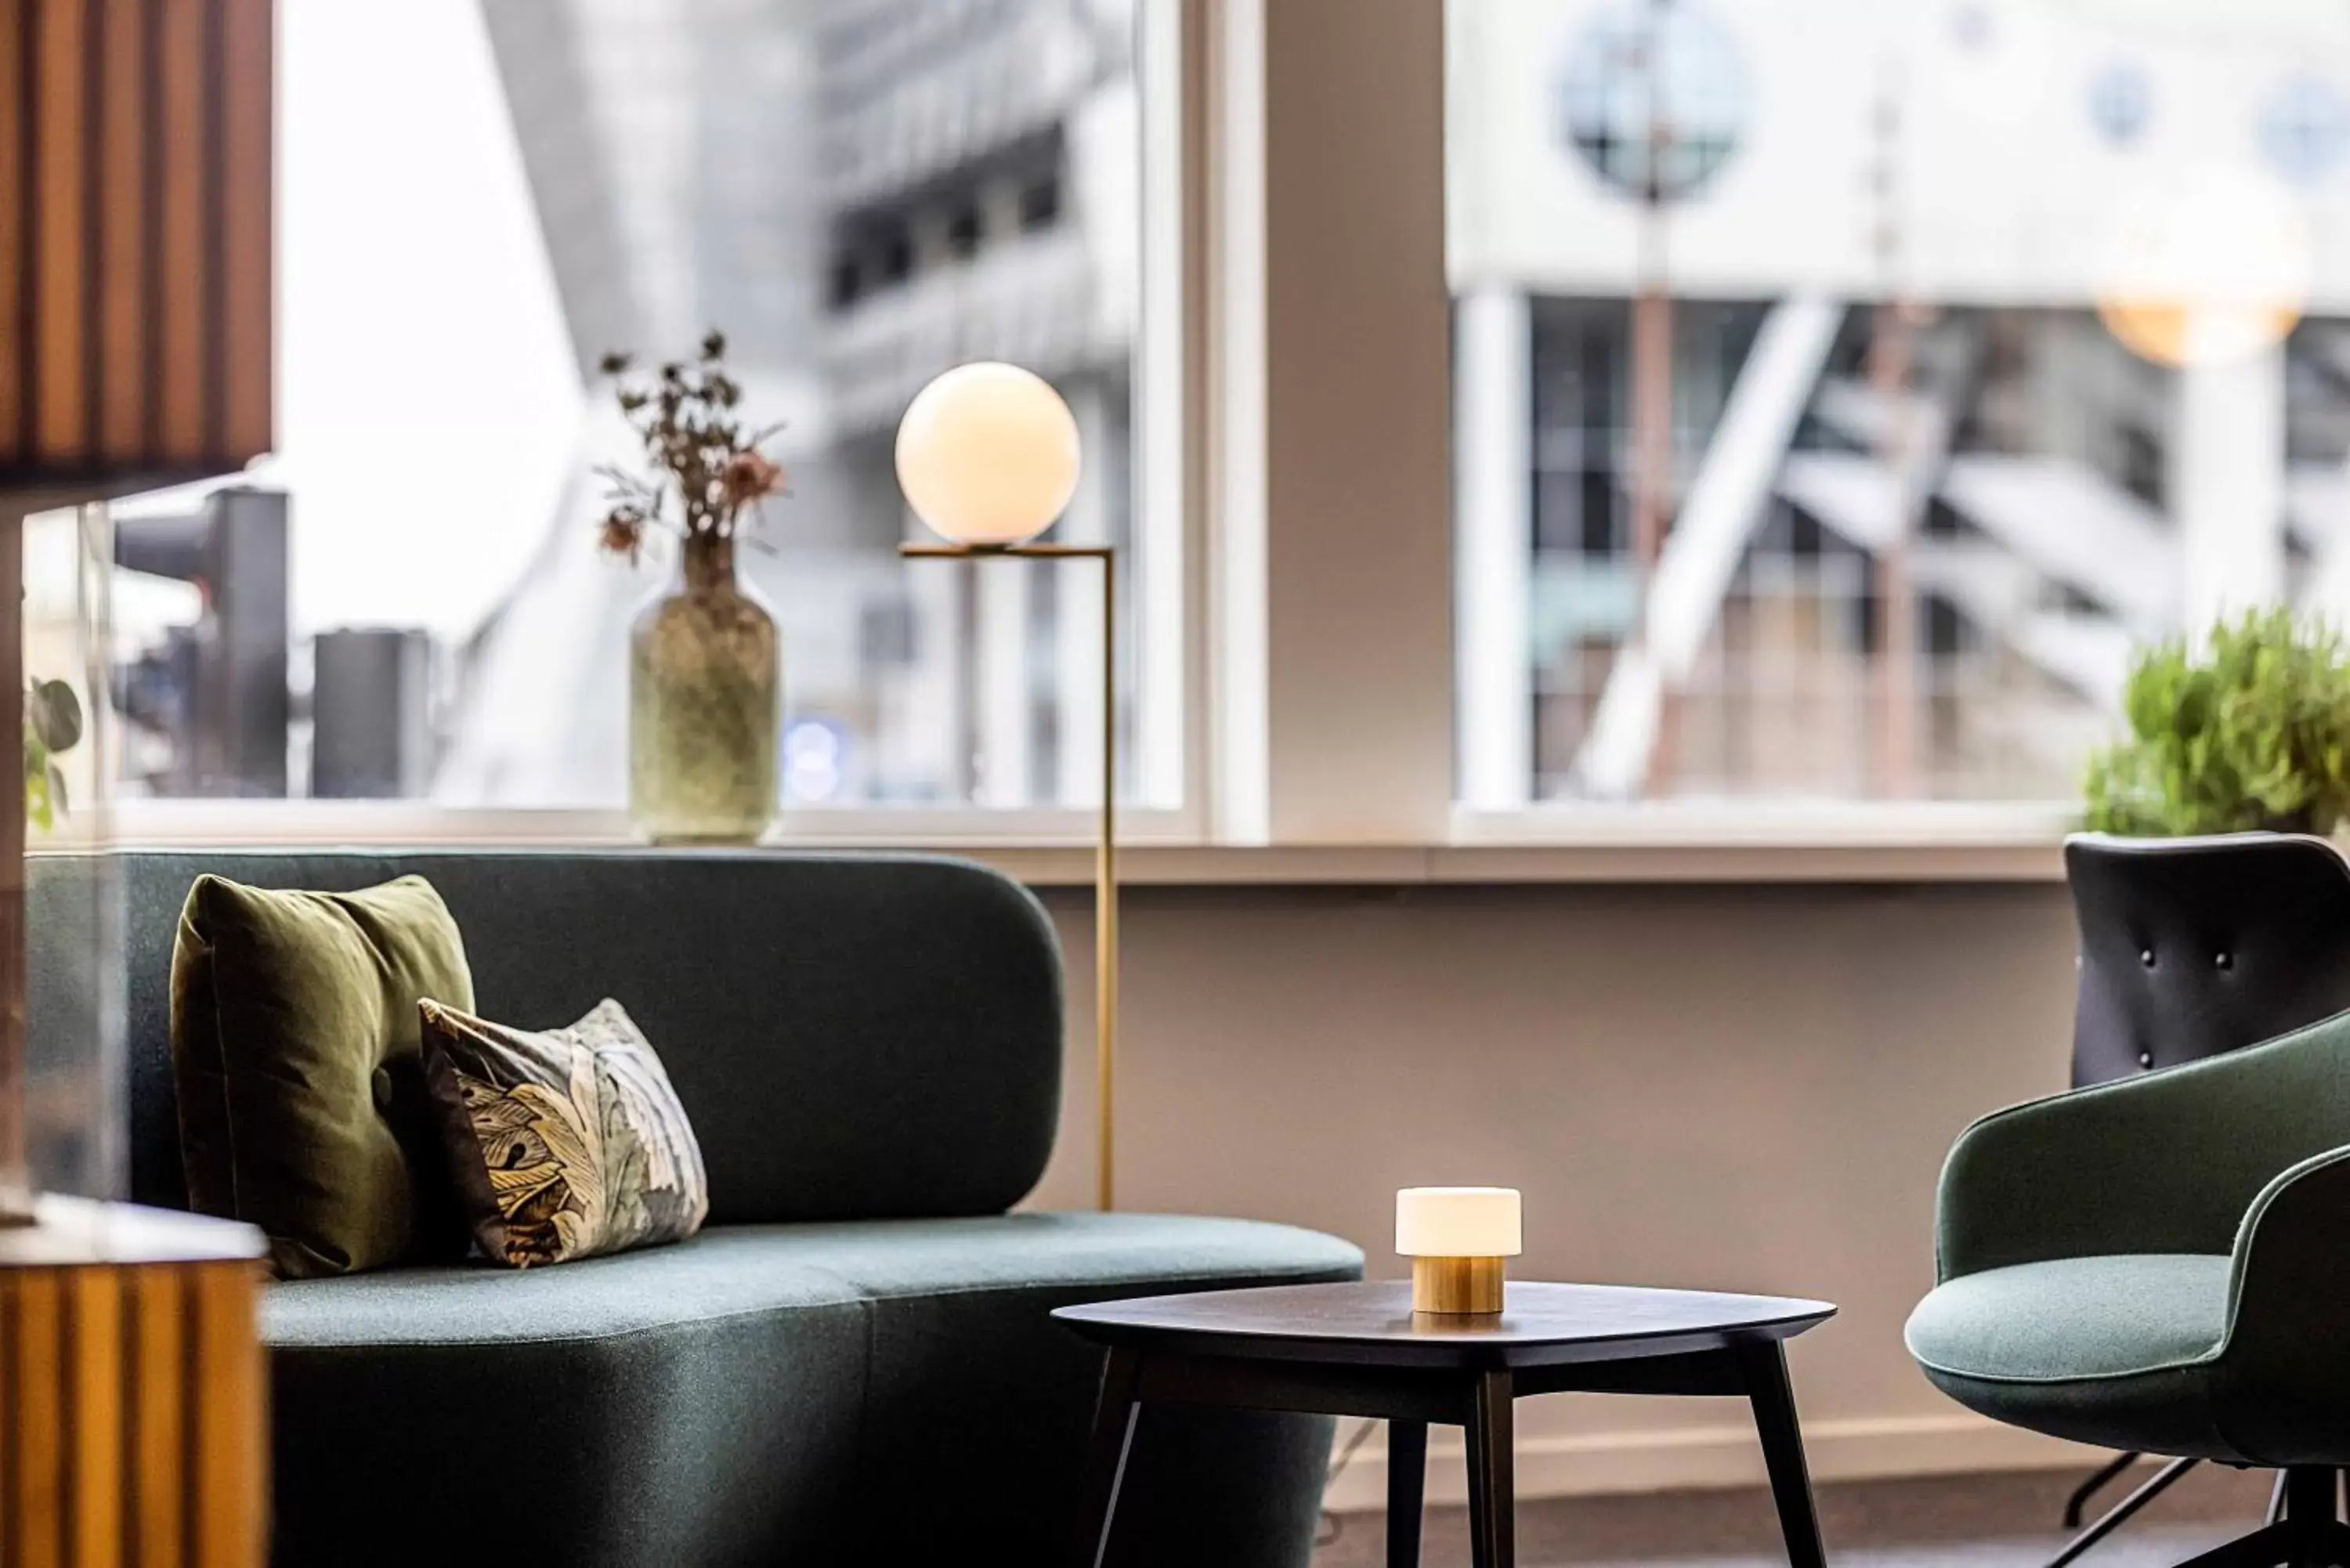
point(1105, 848)
point(1105, 905)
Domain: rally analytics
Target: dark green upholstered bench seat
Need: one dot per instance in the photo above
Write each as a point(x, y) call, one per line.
point(737, 1398)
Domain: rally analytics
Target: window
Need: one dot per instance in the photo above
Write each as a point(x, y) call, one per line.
point(476, 201)
point(1842, 390)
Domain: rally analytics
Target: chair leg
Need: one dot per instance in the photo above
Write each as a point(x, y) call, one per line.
point(2121, 1513)
point(2266, 1547)
point(2276, 1499)
point(2076, 1506)
point(2310, 1534)
point(2313, 1495)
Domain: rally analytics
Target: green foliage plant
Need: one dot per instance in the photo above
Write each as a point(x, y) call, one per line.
point(2252, 731)
point(52, 728)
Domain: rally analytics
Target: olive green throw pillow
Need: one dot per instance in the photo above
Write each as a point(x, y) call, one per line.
point(563, 1143)
point(301, 1089)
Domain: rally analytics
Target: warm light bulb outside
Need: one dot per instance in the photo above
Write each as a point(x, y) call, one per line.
point(988, 454)
point(2214, 267)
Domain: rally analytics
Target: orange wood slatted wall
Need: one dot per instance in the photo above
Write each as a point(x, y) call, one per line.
point(133, 1404)
point(135, 241)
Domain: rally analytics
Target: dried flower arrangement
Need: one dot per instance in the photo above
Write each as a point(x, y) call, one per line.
point(697, 448)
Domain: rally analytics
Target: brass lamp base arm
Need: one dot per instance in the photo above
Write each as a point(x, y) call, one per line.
point(1457, 1287)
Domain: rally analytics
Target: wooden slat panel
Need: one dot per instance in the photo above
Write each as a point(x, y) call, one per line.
point(38, 1409)
point(16, 347)
point(229, 1416)
point(137, 237)
point(61, 388)
point(124, 110)
point(187, 189)
point(10, 1550)
point(159, 1432)
point(247, 231)
point(95, 1303)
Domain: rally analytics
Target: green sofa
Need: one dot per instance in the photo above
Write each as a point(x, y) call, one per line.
point(853, 1363)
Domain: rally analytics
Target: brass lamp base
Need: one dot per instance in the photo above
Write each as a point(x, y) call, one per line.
point(1457, 1287)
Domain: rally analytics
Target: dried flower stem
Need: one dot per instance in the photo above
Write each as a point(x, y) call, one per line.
point(697, 449)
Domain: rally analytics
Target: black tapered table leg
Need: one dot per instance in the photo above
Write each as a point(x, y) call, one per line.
point(1774, 1398)
point(1106, 1456)
point(1492, 1486)
point(1407, 1476)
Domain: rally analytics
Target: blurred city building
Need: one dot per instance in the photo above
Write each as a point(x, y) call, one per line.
point(1842, 391)
point(1998, 336)
point(861, 193)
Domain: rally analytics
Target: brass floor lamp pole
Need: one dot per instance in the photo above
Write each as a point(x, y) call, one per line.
point(1105, 850)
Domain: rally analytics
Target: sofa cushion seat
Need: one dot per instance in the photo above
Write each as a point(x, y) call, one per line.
point(730, 1397)
point(2091, 1349)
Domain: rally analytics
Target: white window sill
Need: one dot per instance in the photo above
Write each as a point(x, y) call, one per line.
point(1672, 842)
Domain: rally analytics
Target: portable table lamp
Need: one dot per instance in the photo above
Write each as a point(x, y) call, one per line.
point(1456, 1238)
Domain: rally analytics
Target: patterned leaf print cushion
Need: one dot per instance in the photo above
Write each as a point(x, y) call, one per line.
point(565, 1142)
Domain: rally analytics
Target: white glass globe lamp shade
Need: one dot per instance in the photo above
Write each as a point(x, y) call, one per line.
point(988, 455)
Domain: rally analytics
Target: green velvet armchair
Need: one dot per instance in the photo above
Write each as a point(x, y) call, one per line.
point(2163, 1263)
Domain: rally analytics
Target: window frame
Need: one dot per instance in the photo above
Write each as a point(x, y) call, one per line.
point(1311, 502)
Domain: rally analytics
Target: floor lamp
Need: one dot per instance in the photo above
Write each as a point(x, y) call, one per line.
point(988, 456)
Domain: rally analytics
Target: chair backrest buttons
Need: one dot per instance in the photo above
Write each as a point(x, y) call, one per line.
point(2145, 1058)
point(2224, 961)
point(2145, 956)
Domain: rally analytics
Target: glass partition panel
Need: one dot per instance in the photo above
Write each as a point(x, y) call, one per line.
point(76, 1084)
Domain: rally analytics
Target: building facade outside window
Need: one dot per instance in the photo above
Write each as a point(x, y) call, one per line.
point(1842, 391)
point(407, 601)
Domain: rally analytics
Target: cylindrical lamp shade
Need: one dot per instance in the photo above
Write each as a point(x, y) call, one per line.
point(988, 454)
point(1456, 1238)
point(1460, 1222)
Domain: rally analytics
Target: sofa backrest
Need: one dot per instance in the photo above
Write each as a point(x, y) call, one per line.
point(855, 1036)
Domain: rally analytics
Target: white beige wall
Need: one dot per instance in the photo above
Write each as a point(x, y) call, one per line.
point(1743, 1088)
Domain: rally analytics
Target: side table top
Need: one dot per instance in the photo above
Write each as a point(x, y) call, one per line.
point(1372, 1323)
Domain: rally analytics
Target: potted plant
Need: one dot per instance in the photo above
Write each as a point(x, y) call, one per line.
point(705, 664)
point(2251, 732)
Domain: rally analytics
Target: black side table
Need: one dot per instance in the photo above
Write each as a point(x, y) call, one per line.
point(1357, 1350)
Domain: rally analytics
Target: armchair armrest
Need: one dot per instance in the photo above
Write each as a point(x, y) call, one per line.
point(2284, 1357)
point(2170, 1162)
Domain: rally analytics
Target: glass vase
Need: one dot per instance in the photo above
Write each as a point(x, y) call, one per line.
point(705, 672)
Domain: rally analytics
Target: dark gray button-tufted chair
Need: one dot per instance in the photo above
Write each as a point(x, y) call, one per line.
point(2190, 947)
